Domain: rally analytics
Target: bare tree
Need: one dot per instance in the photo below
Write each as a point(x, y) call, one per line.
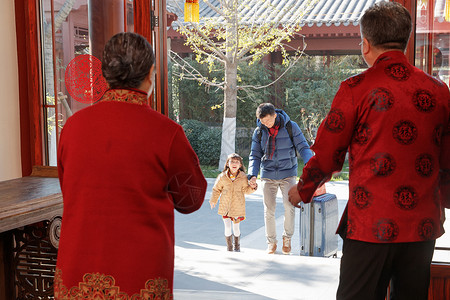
point(241, 31)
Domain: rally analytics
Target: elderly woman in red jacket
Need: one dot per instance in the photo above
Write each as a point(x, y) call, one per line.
point(123, 168)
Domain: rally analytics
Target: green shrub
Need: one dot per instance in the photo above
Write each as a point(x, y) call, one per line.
point(193, 129)
point(209, 150)
point(204, 140)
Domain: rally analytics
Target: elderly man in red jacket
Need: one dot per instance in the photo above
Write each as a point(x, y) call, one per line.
point(393, 119)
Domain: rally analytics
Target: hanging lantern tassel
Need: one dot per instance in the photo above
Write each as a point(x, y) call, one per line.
point(191, 11)
point(447, 11)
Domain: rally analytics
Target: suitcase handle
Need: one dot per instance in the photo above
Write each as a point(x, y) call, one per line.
point(298, 205)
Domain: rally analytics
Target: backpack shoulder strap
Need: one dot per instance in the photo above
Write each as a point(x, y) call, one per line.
point(289, 130)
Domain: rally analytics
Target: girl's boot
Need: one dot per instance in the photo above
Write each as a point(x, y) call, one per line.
point(229, 240)
point(237, 245)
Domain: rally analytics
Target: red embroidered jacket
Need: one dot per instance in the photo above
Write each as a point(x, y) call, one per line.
point(393, 119)
point(123, 169)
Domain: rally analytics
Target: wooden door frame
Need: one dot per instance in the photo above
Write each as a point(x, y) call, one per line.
point(411, 6)
point(30, 83)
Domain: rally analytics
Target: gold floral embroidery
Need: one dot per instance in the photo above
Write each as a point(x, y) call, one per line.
point(126, 95)
point(101, 286)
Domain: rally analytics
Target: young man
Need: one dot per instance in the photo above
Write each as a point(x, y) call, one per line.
point(393, 119)
point(274, 145)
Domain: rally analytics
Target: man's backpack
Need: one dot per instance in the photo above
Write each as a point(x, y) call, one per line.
point(289, 130)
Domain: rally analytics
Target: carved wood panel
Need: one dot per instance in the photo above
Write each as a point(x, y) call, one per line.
point(34, 259)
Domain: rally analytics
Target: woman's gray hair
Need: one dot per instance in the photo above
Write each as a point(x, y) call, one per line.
point(127, 59)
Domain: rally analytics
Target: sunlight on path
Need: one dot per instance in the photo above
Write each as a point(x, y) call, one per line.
point(204, 270)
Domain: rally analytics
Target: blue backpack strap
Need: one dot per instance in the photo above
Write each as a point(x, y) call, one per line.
point(289, 130)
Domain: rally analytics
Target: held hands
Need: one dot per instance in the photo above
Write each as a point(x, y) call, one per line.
point(252, 183)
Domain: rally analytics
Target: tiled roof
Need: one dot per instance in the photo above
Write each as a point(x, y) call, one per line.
point(323, 12)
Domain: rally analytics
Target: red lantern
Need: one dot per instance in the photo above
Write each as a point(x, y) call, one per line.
point(191, 11)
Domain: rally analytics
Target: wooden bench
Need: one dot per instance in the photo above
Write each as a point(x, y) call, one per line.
point(30, 217)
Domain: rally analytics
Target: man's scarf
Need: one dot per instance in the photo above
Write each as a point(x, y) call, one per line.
point(272, 135)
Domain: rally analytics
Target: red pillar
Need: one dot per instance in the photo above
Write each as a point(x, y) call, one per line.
point(106, 18)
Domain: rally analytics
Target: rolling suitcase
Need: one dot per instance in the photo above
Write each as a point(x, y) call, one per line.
point(318, 223)
point(306, 247)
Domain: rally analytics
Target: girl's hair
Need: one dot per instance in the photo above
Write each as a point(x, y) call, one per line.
point(127, 59)
point(234, 156)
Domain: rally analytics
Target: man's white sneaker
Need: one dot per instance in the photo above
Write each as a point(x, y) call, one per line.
point(271, 248)
point(286, 245)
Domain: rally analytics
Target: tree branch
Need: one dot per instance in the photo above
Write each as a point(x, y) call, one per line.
point(206, 42)
point(214, 8)
point(193, 74)
point(296, 58)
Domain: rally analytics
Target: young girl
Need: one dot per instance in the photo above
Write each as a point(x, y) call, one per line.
point(231, 185)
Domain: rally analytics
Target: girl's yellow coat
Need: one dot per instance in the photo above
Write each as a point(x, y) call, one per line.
point(231, 193)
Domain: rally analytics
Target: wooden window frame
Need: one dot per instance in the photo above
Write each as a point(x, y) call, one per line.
point(29, 54)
